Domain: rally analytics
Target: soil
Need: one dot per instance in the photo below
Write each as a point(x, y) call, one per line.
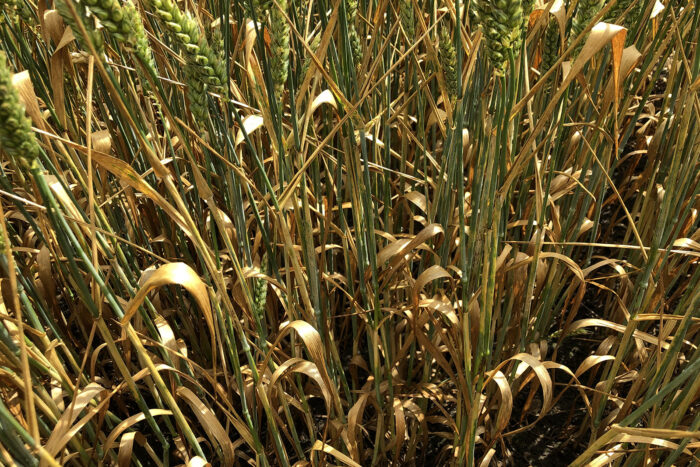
point(554, 440)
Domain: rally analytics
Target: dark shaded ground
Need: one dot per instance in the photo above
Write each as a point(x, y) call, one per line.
point(552, 441)
point(555, 440)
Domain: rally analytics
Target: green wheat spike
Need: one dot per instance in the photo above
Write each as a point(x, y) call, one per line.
point(550, 51)
point(205, 69)
point(528, 6)
point(501, 22)
point(16, 135)
point(351, 7)
point(448, 62)
point(585, 11)
point(207, 65)
point(633, 15)
point(123, 22)
point(315, 43)
point(408, 21)
point(82, 12)
point(279, 46)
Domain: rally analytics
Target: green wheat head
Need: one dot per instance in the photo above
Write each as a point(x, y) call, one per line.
point(197, 93)
point(209, 66)
point(550, 51)
point(351, 7)
point(448, 62)
point(16, 10)
point(528, 6)
point(139, 39)
point(16, 135)
point(315, 43)
point(123, 22)
point(585, 11)
point(502, 25)
point(111, 15)
point(205, 69)
point(279, 46)
point(81, 9)
point(260, 288)
point(408, 21)
point(633, 15)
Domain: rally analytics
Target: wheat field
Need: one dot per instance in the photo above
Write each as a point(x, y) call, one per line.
point(349, 232)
